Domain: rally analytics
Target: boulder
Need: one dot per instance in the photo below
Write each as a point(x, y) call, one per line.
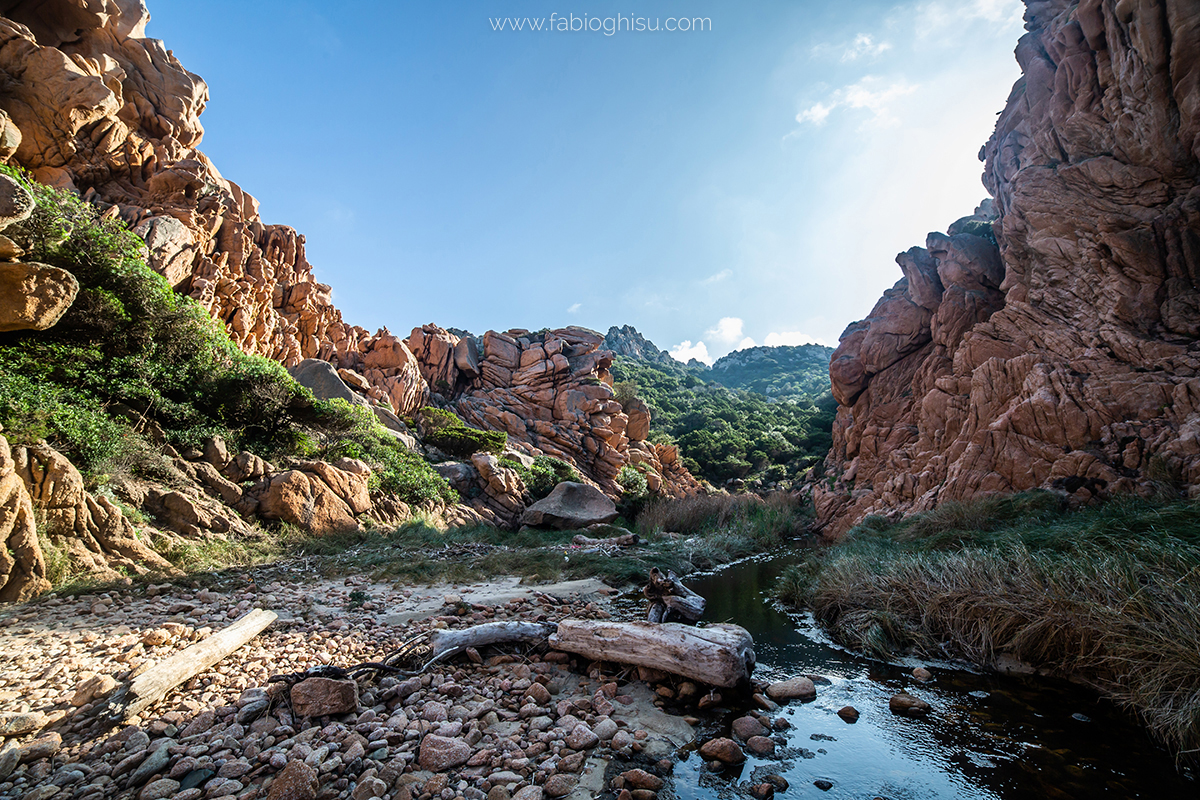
point(170, 247)
point(724, 750)
point(296, 781)
point(905, 705)
point(319, 697)
point(16, 203)
point(440, 753)
point(322, 379)
point(798, 688)
point(305, 501)
point(639, 419)
point(34, 296)
point(570, 506)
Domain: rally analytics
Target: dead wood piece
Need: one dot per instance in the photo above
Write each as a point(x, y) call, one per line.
point(149, 687)
point(445, 643)
point(626, 540)
point(718, 655)
point(669, 598)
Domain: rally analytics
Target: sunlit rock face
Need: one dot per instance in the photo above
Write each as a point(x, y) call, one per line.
point(1066, 357)
point(90, 104)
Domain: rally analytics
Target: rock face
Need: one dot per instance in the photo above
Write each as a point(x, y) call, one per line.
point(1067, 355)
point(22, 566)
point(626, 341)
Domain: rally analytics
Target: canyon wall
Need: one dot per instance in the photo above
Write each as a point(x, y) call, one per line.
point(1053, 338)
point(88, 103)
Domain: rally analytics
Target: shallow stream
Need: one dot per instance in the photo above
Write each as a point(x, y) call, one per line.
point(988, 736)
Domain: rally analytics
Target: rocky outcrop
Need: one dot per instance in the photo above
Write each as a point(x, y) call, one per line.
point(627, 342)
point(22, 565)
point(91, 104)
point(571, 506)
point(1052, 339)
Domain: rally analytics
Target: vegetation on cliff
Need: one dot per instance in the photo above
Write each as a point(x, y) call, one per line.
point(1107, 594)
point(726, 434)
point(134, 366)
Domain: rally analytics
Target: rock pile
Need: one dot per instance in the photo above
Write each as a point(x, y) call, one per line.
point(1067, 356)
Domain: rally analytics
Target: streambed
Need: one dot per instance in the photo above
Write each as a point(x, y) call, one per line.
point(988, 736)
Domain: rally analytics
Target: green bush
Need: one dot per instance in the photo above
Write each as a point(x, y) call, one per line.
point(132, 360)
point(632, 482)
point(545, 473)
point(446, 432)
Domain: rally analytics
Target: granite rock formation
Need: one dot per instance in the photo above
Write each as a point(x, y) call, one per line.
point(1059, 345)
point(90, 104)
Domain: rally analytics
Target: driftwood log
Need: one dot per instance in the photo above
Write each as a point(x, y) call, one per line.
point(670, 599)
point(153, 684)
point(719, 655)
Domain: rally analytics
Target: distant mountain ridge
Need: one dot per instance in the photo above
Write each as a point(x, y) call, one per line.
point(626, 341)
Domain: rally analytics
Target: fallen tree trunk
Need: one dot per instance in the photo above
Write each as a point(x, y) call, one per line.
point(149, 687)
point(719, 655)
point(670, 598)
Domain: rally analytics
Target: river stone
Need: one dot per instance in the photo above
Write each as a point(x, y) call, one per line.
point(605, 729)
point(318, 697)
point(42, 747)
point(197, 778)
point(297, 781)
point(640, 779)
point(42, 793)
point(762, 791)
point(369, 789)
point(905, 705)
point(723, 750)
point(20, 724)
point(439, 753)
point(8, 761)
point(745, 727)
point(923, 675)
point(560, 785)
point(760, 746)
point(538, 693)
point(582, 738)
point(499, 793)
point(848, 713)
point(528, 793)
point(154, 763)
point(798, 688)
point(159, 789)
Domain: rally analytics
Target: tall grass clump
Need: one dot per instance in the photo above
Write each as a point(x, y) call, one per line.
point(1109, 594)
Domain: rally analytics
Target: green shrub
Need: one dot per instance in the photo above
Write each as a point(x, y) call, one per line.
point(446, 432)
point(545, 473)
point(632, 482)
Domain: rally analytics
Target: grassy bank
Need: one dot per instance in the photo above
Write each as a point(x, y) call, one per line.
point(697, 533)
point(1108, 594)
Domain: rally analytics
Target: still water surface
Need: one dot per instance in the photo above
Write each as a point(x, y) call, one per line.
point(988, 736)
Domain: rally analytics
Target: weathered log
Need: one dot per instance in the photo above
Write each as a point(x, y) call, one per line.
point(445, 643)
point(669, 597)
point(149, 687)
point(718, 655)
point(627, 540)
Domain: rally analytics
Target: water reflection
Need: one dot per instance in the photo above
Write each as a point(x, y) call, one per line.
point(988, 736)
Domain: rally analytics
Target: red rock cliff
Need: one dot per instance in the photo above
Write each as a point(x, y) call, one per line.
point(1067, 356)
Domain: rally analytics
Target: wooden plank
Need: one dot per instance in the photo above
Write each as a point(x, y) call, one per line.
point(718, 655)
point(150, 687)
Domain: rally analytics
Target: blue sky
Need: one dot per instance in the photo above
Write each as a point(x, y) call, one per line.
point(746, 183)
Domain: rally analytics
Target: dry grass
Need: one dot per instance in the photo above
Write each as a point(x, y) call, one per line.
point(1110, 595)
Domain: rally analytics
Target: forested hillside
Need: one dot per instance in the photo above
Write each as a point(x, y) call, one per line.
point(767, 437)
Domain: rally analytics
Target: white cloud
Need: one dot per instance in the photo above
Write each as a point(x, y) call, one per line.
point(720, 276)
point(744, 343)
point(791, 338)
point(574, 309)
point(870, 93)
point(685, 351)
point(727, 331)
point(864, 45)
point(933, 17)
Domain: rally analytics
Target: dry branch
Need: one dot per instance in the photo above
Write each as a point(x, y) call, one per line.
point(669, 597)
point(625, 540)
